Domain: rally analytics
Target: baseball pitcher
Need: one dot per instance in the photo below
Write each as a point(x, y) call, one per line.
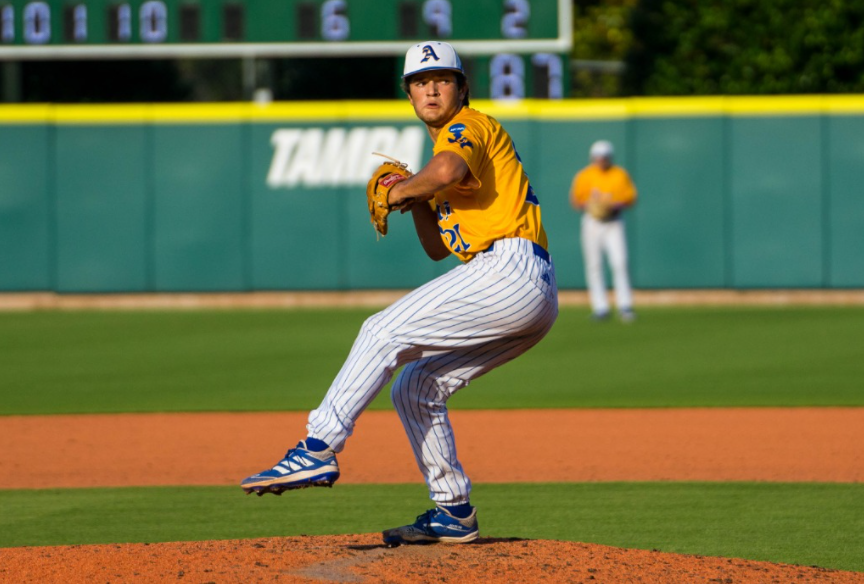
point(474, 200)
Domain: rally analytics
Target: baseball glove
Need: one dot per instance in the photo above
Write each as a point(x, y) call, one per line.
point(600, 206)
point(378, 191)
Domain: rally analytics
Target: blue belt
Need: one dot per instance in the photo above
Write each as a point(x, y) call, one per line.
point(538, 250)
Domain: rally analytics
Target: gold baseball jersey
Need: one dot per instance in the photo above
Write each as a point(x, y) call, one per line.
point(472, 216)
point(615, 181)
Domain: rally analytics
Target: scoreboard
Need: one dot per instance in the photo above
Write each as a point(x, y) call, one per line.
point(246, 28)
point(511, 48)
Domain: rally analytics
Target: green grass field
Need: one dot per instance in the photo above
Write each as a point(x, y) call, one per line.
point(806, 524)
point(69, 362)
point(81, 362)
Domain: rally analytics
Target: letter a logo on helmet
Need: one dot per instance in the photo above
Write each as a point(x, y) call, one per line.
point(429, 56)
point(429, 53)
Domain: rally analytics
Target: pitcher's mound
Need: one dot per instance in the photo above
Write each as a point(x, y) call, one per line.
point(362, 558)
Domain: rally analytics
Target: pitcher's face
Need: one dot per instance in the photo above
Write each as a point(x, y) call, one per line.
point(436, 96)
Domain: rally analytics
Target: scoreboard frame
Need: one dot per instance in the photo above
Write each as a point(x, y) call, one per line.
point(13, 23)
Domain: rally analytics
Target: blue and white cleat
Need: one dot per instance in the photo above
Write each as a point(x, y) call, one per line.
point(600, 316)
point(434, 526)
point(299, 469)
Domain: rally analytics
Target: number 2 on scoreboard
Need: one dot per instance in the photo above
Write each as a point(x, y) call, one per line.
point(514, 23)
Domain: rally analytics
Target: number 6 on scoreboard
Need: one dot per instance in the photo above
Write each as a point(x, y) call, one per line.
point(334, 20)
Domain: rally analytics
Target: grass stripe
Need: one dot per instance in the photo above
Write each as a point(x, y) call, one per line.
point(210, 360)
point(805, 523)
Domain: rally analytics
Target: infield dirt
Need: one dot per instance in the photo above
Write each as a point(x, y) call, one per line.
point(703, 444)
point(773, 444)
point(362, 558)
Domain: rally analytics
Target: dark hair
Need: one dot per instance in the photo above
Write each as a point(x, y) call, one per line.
point(461, 81)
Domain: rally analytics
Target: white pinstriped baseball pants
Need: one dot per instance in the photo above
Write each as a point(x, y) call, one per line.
point(454, 329)
point(609, 237)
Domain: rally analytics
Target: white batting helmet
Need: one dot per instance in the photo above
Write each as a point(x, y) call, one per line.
point(601, 149)
point(431, 55)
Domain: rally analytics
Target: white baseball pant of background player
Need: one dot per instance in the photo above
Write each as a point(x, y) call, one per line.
point(599, 237)
point(457, 327)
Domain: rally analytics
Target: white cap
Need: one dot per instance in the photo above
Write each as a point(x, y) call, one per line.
point(602, 149)
point(431, 55)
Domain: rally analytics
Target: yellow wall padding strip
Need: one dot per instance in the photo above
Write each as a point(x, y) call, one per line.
point(400, 110)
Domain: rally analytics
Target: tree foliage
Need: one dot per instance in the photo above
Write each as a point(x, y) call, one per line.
point(745, 47)
point(601, 32)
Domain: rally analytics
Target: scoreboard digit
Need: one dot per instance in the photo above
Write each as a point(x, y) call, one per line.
point(513, 76)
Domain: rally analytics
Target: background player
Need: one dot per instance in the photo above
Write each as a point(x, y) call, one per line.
point(603, 190)
point(473, 200)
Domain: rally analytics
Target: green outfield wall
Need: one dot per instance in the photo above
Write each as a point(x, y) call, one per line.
point(734, 192)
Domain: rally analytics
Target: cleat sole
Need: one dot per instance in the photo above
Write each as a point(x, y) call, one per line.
point(395, 540)
point(279, 489)
point(398, 541)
